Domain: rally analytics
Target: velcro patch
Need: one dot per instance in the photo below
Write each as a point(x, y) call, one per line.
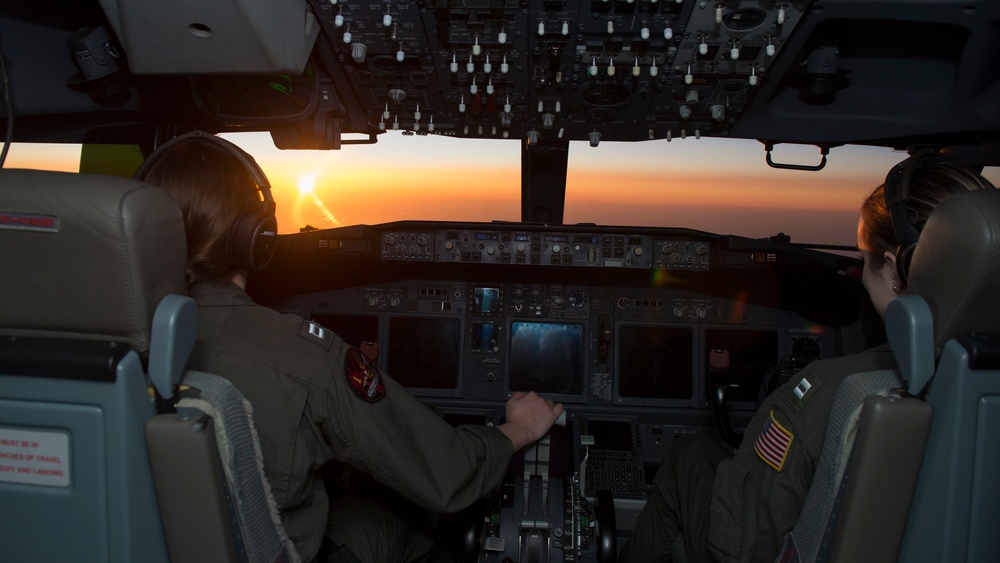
point(317, 334)
point(773, 443)
point(363, 377)
point(805, 389)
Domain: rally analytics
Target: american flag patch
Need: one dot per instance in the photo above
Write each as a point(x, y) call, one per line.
point(773, 443)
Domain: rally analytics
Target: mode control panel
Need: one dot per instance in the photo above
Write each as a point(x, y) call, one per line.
point(408, 246)
point(682, 255)
point(545, 248)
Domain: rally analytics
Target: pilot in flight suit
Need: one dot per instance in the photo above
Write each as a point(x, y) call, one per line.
point(738, 508)
point(316, 400)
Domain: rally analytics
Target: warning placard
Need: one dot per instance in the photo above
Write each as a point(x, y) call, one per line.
point(34, 457)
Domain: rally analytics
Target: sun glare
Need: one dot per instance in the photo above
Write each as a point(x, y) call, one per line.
point(307, 184)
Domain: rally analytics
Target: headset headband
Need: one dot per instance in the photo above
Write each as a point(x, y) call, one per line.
point(259, 178)
point(906, 223)
point(250, 241)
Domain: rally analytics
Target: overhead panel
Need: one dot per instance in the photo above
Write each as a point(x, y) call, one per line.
point(554, 70)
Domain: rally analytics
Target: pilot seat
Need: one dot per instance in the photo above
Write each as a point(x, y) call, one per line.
point(909, 467)
point(95, 330)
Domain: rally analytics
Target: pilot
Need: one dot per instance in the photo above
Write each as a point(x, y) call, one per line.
point(318, 401)
point(740, 507)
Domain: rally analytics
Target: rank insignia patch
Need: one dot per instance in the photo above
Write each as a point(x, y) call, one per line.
point(363, 377)
point(773, 443)
point(317, 334)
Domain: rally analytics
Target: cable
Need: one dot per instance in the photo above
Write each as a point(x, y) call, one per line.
point(9, 135)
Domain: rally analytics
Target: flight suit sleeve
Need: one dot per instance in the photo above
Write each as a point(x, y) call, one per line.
point(403, 444)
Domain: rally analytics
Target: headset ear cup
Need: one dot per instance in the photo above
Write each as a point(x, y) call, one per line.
point(250, 242)
point(264, 242)
point(904, 255)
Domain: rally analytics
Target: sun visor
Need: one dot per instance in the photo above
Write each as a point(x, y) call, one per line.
point(214, 36)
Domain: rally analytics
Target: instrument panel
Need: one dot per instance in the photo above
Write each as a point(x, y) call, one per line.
point(581, 344)
point(631, 329)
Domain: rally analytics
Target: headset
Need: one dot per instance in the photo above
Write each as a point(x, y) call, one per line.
point(906, 222)
point(250, 241)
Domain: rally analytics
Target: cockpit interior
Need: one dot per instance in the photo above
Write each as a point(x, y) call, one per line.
point(644, 333)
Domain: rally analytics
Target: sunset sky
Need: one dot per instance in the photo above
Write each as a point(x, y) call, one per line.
point(717, 185)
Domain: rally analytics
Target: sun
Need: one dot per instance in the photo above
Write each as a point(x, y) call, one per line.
point(307, 184)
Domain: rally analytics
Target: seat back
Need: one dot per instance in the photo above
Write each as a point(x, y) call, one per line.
point(91, 264)
point(859, 505)
point(956, 505)
point(93, 314)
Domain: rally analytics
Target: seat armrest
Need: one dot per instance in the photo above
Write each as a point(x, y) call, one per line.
point(190, 488)
point(884, 465)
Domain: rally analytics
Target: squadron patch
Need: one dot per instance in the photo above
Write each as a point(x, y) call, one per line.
point(773, 443)
point(363, 377)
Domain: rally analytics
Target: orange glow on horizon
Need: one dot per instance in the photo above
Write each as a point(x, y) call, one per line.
point(717, 185)
point(689, 188)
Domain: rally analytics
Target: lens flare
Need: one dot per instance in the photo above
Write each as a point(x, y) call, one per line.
point(308, 192)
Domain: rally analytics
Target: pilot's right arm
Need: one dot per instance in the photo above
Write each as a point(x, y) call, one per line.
point(380, 428)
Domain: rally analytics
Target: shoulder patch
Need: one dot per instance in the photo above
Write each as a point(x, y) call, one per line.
point(808, 385)
point(773, 443)
point(316, 334)
point(363, 377)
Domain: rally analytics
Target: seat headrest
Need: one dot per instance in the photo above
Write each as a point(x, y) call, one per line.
point(86, 256)
point(956, 266)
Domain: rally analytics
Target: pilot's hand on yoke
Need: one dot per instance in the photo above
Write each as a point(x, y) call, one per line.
point(529, 417)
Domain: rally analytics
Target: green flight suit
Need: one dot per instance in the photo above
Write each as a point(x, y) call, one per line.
point(308, 413)
point(756, 496)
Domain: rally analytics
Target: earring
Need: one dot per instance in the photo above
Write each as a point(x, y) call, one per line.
point(894, 287)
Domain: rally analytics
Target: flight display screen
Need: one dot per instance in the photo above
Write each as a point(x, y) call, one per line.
point(485, 337)
point(354, 329)
point(655, 362)
point(486, 300)
point(546, 357)
point(749, 354)
point(425, 352)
